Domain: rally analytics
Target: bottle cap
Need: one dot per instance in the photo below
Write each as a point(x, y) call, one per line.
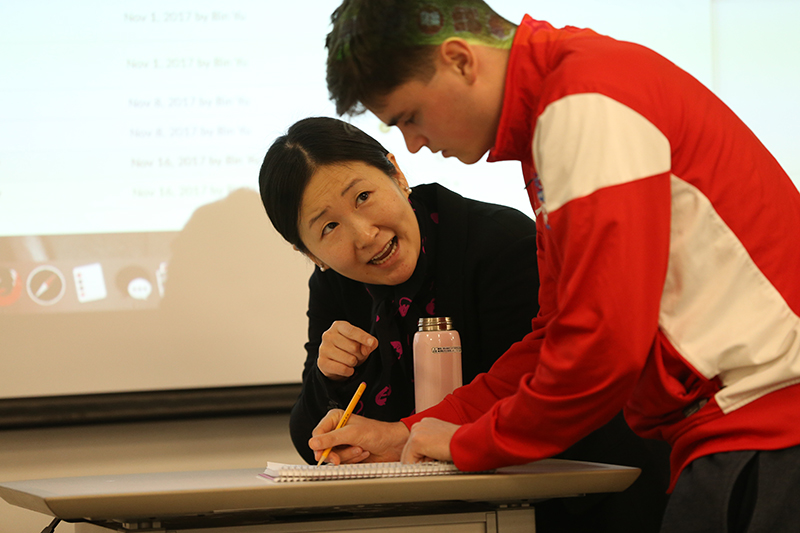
point(435, 323)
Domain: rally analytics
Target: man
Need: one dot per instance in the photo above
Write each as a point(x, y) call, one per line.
point(668, 251)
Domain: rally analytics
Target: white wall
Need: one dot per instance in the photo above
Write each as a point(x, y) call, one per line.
point(186, 445)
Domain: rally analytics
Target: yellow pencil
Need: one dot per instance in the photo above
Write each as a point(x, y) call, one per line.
point(345, 416)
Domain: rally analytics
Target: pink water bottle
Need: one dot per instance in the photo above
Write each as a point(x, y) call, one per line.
point(437, 361)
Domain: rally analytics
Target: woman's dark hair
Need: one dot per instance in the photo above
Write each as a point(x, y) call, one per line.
point(293, 158)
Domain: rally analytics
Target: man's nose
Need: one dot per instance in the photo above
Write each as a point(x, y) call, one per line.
point(414, 141)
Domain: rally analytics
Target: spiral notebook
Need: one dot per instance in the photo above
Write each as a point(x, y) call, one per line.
point(288, 473)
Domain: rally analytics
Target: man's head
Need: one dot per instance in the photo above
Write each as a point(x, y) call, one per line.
point(433, 68)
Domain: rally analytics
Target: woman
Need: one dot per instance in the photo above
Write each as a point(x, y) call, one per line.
point(387, 255)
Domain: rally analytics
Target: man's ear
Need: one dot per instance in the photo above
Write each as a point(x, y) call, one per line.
point(399, 177)
point(458, 54)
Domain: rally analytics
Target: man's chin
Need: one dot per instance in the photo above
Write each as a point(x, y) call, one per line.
point(448, 155)
point(468, 160)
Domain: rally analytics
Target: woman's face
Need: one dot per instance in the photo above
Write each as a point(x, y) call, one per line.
point(357, 220)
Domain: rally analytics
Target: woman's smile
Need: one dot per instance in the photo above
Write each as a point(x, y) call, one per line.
point(387, 252)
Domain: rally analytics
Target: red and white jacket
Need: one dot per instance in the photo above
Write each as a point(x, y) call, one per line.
point(669, 257)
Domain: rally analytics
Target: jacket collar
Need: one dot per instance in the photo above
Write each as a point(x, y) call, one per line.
point(523, 83)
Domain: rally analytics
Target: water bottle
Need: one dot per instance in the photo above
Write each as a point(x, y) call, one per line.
point(437, 361)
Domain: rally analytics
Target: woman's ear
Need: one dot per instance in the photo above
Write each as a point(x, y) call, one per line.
point(322, 266)
point(399, 177)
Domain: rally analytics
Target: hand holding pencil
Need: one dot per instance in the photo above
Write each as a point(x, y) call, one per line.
point(357, 439)
point(345, 417)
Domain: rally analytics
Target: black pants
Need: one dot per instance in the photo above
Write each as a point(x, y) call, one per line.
point(737, 492)
point(636, 510)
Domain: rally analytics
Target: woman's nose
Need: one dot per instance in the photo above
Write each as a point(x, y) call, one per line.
point(365, 233)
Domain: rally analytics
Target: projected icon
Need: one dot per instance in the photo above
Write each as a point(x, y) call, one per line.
point(46, 285)
point(134, 281)
point(90, 283)
point(140, 289)
point(10, 286)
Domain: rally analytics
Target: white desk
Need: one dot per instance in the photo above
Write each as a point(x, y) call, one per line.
point(239, 501)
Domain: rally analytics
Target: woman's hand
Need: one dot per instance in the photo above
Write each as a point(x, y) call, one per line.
point(360, 440)
point(344, 347)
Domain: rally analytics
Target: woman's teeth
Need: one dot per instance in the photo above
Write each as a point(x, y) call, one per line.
point(386, 253)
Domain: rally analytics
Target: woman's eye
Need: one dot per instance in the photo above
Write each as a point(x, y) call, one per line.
point(363, 197)
point(329, 227)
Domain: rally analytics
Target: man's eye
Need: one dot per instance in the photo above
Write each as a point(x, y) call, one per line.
point(363, 197)
point(410, 120)
point(329, 227)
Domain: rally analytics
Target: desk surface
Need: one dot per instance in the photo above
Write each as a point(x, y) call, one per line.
point(225, 491)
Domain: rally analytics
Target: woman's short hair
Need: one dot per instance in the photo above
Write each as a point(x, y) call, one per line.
point(293, 158)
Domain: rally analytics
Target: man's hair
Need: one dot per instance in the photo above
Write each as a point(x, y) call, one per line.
point(377, 45)
point(293, 159)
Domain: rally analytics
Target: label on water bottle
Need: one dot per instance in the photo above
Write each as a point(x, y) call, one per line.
point(446, 349)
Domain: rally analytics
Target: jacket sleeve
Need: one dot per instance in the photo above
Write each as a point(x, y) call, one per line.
point(604, 170)
point(605, 232)
point(470, 402)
